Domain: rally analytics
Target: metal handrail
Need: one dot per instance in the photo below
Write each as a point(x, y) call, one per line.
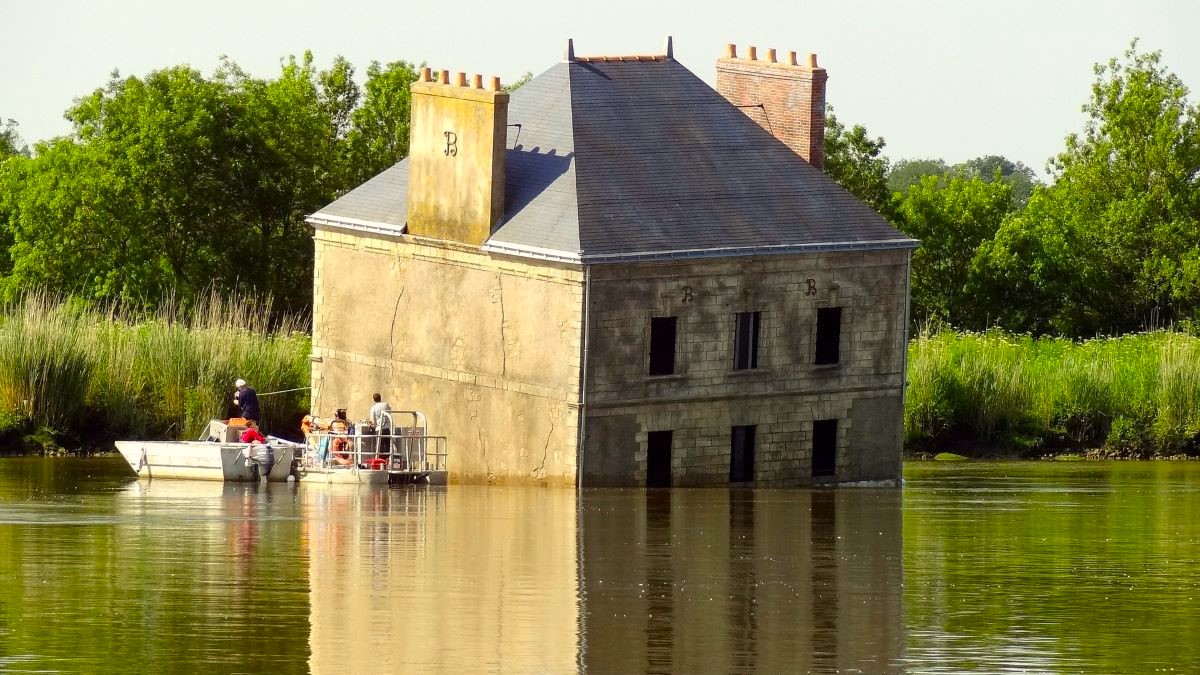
point(408, 449)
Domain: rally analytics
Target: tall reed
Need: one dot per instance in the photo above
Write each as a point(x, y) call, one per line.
point(1138, 393)
point(100, 371)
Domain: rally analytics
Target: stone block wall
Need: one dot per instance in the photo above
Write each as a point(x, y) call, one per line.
point(782, 397)
point(488, 347)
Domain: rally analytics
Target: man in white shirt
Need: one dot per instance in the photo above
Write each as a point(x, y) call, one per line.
point(383, 425)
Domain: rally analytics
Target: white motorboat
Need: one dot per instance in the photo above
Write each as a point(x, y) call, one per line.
point(210, 459)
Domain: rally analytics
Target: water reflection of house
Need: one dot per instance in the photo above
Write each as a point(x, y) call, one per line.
point(726, 582)
point(427, 579)
point(619, 276)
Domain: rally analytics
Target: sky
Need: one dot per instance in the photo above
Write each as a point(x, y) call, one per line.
point(949, 79)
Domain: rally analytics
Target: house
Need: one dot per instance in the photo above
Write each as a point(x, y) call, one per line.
point(617, 276)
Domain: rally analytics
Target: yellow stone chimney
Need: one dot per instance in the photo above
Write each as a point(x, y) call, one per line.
point(456, 157)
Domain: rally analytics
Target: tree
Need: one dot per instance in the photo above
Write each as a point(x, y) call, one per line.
point(907, 172)
point(995, 167)
point(1114, 243)
point(174, 183)
point(131, 205)
point(856, 162)
point(951, 217)
point(380, 127)
point(10, 141)
point(519, 82)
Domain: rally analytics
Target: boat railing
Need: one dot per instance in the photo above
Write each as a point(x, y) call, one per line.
point(405, 449)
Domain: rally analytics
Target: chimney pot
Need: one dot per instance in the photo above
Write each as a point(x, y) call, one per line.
point(495, 83)
point(812, 60)
point(426, 75)
point(462, 79)
point(570, 55)
point(444, 77)
point(771, 55)
point(477, 81)
point(793, 59)
point(752, 53)
point(731, 51)
point(670, 48)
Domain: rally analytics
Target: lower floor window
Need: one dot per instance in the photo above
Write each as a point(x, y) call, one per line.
point(824, 447)
point(741, 454)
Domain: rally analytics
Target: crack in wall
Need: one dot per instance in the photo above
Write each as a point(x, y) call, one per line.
point(392, 331)
point(540, 468)
point(503, 328)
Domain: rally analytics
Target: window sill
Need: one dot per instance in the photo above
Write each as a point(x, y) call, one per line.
point(745, 372)
point(666, 378)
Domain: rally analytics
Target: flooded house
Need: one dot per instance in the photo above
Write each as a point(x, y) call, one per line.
point(619, 276)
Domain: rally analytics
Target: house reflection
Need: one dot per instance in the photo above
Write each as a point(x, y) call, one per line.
point(543, 580)
point(731, 581)
point(421, 578)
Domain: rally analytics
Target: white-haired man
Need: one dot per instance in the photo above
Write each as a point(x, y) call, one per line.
point(246, 399)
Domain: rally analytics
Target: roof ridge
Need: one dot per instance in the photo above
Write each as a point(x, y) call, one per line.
point(627, 57)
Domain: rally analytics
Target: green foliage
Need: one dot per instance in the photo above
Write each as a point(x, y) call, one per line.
point(1114, 244)
point(856, 162)
point(10, 141)
point(908, 172)
point(173, 184)
point(519, 82)
point(1019, 177)
point(1139, 394)
point(379, 135)
point(105, 371)
point(951, 217)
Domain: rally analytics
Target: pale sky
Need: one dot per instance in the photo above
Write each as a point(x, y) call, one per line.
point(953, 79)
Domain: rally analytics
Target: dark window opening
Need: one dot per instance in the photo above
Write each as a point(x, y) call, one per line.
point(824, 449)
point(741, 455)
point(829, 334)
point(745, 340)
point(662, 345)
point(658, 459)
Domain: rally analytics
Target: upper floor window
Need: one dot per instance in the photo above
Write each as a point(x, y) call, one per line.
point(829, 335)
point(662, 345)
point(745, 340)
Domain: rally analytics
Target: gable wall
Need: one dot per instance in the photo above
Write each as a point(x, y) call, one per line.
point(487, 347)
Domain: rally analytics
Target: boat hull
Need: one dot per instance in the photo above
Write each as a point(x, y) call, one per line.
point(344, 476)
point(200, 460)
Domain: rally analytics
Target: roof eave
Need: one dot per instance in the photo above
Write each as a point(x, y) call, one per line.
point(345, 223)
point(744, 251)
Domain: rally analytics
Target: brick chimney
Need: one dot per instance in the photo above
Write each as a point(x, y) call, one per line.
point(456, 157)
point(786, 98)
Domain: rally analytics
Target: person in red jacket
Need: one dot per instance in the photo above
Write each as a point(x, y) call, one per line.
point(252, 434)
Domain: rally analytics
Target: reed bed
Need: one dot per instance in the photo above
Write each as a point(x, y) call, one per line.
point(100, 372)
point(1132, 395)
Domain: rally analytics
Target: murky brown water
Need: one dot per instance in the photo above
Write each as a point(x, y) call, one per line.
point(978, 567)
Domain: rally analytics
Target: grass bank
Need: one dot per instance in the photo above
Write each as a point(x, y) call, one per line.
point(1137, 395)
point(80, 375)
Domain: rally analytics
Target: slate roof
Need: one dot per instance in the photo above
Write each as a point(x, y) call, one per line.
point(617, 160)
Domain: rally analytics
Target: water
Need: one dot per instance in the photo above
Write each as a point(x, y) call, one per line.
point(1031, 567)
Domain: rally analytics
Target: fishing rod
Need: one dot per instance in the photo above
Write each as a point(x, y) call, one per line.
point(285, 391)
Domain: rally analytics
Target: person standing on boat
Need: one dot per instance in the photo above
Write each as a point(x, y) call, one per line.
point(246, 399)
point(383, 425)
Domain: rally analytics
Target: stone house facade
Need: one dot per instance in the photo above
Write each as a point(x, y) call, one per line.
point(617, 276)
